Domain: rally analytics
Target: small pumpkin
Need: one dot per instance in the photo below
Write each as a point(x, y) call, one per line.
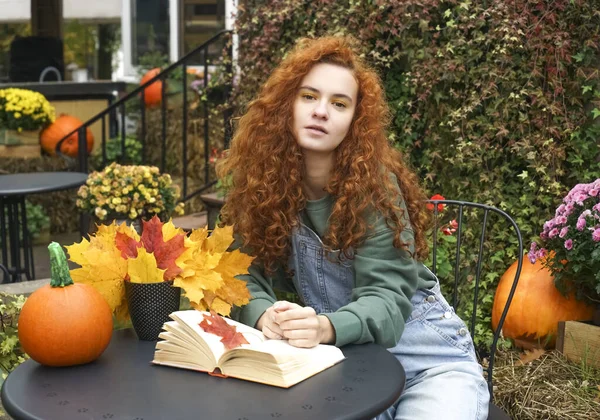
point(56, 131)
point(152, 93)
point(537, 306)
point(64, 323)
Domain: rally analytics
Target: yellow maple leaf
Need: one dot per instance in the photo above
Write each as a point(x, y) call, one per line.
point(76, 251)
point(196, 285)
point(234, 263)
point(219, 240)
point(169, 230)
point(234, 291)
point(102, 267)
point(199, 235)
point(143, 268)
point(221, 307)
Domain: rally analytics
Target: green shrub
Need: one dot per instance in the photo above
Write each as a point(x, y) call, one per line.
point(133, 149)
point(11, 354)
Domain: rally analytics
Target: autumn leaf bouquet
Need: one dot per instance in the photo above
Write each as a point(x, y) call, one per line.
point(199, 264)
point(129, 192)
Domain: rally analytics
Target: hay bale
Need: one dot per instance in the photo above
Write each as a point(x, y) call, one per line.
point(550, 387)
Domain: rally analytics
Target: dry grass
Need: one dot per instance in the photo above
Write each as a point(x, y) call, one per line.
point(550, 387)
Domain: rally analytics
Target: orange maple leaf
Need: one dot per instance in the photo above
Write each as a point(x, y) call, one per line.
point(530, 356)
point(216, 324)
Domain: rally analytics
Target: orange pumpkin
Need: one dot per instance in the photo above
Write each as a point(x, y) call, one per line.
point(62, 126)
point(537, 306)
point(152, 93)
point(64, 323)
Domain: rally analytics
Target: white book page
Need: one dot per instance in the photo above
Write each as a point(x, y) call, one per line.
point(192, 318)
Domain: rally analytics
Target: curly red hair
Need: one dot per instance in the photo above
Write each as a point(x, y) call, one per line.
point(266, 164)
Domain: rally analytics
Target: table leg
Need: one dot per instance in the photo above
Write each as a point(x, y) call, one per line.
point(27, 245)
point(3, 238)
point(14, 224)
point(13, 233)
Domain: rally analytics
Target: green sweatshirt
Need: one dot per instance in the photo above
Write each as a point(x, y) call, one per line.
point(385, 280)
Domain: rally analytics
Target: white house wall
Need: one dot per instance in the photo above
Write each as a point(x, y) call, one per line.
point(101, 10)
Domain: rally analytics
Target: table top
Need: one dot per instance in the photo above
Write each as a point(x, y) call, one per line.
point(123, 384)
point(39, 182)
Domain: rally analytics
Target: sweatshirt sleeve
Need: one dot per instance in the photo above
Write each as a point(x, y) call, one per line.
point(261, 288)
point(385, 280)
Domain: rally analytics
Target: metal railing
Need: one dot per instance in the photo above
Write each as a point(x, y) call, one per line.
point(138, 95)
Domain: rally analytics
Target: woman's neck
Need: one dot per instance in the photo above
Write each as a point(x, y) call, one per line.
point(318, 169)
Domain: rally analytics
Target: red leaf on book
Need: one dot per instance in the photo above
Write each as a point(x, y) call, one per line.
point(216, 324)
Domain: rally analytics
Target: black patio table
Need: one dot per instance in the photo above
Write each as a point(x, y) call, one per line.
point(123, 384)
point(13, 190)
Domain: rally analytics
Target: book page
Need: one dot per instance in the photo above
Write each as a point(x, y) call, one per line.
point(191, 319)
point(276, 362)
point(282, 352)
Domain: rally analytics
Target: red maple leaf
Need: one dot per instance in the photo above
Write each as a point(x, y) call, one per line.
point(216, 324)
point(165, 252)
point(152, 240)
point(127, 245)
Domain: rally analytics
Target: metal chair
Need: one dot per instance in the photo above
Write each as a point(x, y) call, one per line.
point(468, 259)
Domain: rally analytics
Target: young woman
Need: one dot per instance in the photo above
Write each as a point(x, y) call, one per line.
point(331, 212)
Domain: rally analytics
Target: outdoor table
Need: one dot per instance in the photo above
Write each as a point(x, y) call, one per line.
point(13, 190)
point(123, 384)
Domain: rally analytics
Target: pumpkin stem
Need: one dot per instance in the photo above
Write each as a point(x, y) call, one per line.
point(59, 269)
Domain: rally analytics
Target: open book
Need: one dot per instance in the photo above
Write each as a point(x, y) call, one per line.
point(273, 362)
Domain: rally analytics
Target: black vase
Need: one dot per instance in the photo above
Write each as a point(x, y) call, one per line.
point(150, 305)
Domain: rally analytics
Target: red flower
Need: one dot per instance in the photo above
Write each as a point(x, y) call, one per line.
point(450, 228)
point(440, 207)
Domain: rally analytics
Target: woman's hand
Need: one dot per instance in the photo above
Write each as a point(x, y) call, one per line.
point(301, 326)
point(266, 323)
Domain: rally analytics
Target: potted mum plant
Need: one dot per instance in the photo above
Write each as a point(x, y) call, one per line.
point(23, 113)
point(129, 193)
point(570, 243)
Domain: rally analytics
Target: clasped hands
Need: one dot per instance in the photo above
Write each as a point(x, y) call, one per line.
point(301, 326)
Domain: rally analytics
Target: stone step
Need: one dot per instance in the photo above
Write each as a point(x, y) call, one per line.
point(23, 287)
point(191, 221)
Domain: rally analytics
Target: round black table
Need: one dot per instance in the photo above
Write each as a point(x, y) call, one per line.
point(123, 384)
point(13, 190)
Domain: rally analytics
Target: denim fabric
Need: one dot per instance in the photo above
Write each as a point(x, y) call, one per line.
point(443, 378)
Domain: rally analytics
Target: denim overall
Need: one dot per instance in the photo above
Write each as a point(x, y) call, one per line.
point(443, 378)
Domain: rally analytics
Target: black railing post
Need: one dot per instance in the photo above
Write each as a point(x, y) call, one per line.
point(103, 122)
point(163, 115)
point(82, 148)
point(228, 111)
point(205, 109)
point(184, 129)
point(123, 127)
point(143, 123)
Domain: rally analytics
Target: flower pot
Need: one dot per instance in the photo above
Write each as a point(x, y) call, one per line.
point(150, 305)
point(24, 144)
point(19, 138)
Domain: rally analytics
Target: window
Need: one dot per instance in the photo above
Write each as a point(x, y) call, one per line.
point(201, 19)
point(149, 28)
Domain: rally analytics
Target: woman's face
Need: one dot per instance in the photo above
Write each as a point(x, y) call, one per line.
point(324, 107)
